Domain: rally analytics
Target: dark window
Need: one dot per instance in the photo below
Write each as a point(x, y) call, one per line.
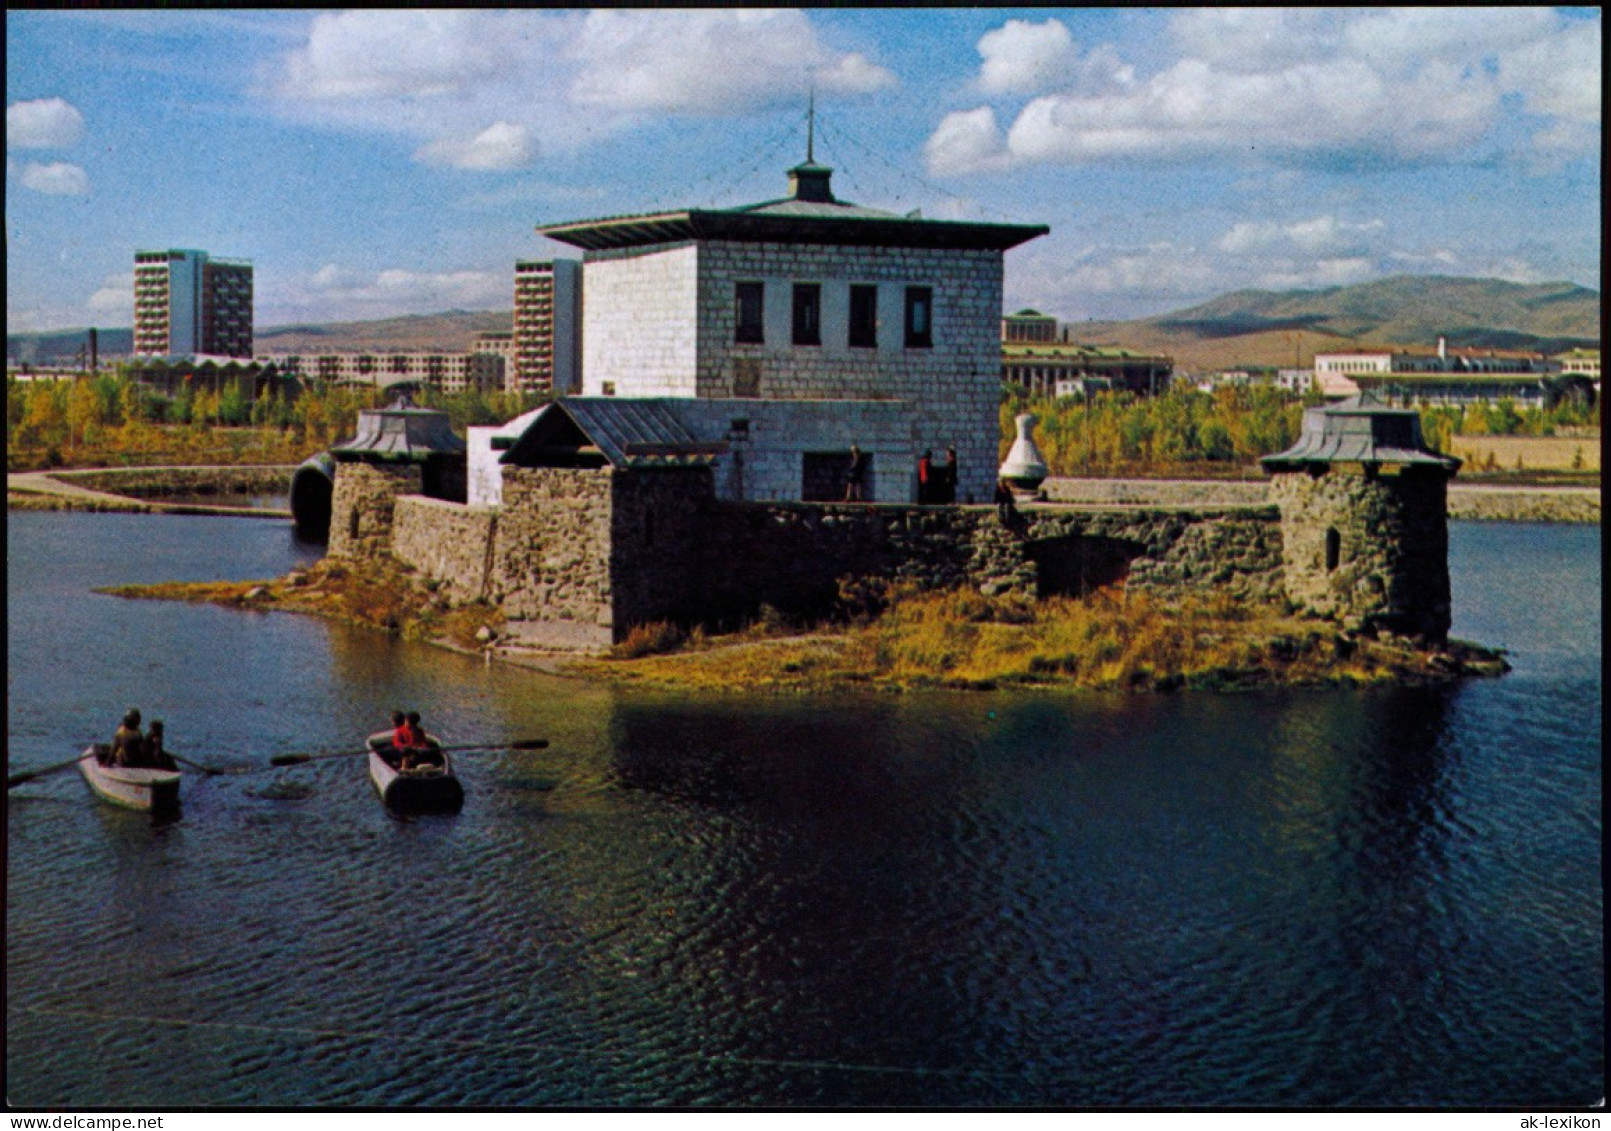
point(1333, 549)
point(919, 317)
point(864, 316)
point(808, 314)
point(750, 300)
point(609, 388)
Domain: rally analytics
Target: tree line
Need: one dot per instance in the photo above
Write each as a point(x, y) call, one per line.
point(1191, 432)
point(115, 418)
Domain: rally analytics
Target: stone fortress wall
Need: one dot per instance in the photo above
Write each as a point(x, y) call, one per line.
point(576, 557)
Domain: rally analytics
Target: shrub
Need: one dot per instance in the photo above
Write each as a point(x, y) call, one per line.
point(650, 639)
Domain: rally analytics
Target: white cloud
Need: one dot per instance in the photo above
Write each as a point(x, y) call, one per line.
point(387, 54)
point(1327, 86)
point(44, 123)
point(1020, 56)
point(334, 292)
point(968, 141)
point(114, 299)
point(55, 179)
point(502, 145)
point(1318, 235)
point(551, 81)
point(710, 62)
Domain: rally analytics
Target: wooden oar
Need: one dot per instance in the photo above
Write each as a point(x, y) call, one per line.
point(299, 759)
point(17, 779)
point(211, 771)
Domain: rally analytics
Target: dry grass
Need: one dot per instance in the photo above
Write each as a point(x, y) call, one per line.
point(1522, 453)
point(382, 595)
point(965, 640)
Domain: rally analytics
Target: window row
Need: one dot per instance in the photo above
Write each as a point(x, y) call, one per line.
point(806, 315)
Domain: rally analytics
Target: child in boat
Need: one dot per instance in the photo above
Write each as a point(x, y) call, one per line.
point(415, 749)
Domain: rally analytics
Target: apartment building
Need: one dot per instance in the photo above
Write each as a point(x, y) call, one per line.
point(426, 369)
point(187, 303)
point(548, 326)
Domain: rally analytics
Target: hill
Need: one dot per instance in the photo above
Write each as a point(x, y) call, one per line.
point(1280, 328)
point(452, 332)
point(1287, 328)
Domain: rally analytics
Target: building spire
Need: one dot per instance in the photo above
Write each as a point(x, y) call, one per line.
point(811, 127)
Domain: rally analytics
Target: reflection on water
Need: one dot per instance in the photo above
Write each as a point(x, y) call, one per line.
point(1307, 899)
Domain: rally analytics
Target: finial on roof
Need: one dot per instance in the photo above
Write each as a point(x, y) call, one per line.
point(811, 127)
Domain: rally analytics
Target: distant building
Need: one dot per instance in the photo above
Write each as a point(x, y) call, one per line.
point(1410, 375)
point(424, 369)
point(1064, 368)
point(187, 304)
point(500, 344)
point(1029, 326)
point(548, 327)
point(1584, 361)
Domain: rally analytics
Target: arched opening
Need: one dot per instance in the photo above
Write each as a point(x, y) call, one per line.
point(1333, 548)
point(352, 525)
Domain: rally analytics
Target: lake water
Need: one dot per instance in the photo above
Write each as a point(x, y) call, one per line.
point(1329, 898)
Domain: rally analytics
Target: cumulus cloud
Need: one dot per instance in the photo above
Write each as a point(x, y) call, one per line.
point(502, 145)
point(1020, 56)
point(968, 141)
point(1319, 235)
point(709, 62)
point(44, 123)
point(551, 80)
point(1326, 86)
point(55, 179)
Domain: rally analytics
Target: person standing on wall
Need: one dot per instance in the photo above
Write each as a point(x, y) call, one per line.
point(925, 478)
point(856, 476)
point(947, 483)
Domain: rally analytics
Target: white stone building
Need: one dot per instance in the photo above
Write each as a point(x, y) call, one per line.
point(780, 334)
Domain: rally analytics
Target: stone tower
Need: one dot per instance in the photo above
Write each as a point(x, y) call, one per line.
point(399, 450)
point(1364, 519)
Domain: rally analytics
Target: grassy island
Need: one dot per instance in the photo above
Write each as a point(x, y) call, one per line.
point(898, 639)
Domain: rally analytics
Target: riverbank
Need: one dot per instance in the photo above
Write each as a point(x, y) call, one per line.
point(147, 490)
point(897, 642)
point(1468, 500)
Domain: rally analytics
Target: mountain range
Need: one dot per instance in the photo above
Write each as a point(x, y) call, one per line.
point(1279, 328)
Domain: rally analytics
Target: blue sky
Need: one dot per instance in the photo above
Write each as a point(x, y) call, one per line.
point(375, 163)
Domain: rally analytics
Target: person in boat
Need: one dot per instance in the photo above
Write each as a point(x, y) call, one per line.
point(128, 743)
point(408, 739)
point(418, 751)
point(155, 756)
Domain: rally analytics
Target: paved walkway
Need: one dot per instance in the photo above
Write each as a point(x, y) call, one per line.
point(49, 483)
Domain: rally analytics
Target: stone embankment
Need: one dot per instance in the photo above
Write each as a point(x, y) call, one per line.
point(1467, 500)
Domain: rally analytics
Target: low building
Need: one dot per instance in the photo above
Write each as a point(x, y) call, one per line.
point(1453, 376)
point(1062, 368)
point(1584, 361)
point(482, 371)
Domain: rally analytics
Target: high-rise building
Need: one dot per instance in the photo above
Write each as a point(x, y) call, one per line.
point(187, 303)
point(548, 326)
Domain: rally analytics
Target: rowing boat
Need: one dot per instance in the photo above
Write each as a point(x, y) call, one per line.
point(149, 790)
point(429, 787)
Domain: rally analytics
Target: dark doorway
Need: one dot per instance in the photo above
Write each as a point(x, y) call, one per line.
point(1075, 565)
point(825, 475)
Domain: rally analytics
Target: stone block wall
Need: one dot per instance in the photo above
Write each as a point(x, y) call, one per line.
point(660, 322)
point(1368, 550)
point(638, 322)
point(447, 541)
point(951, 389)
point(361, 506)
point(551, 557)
